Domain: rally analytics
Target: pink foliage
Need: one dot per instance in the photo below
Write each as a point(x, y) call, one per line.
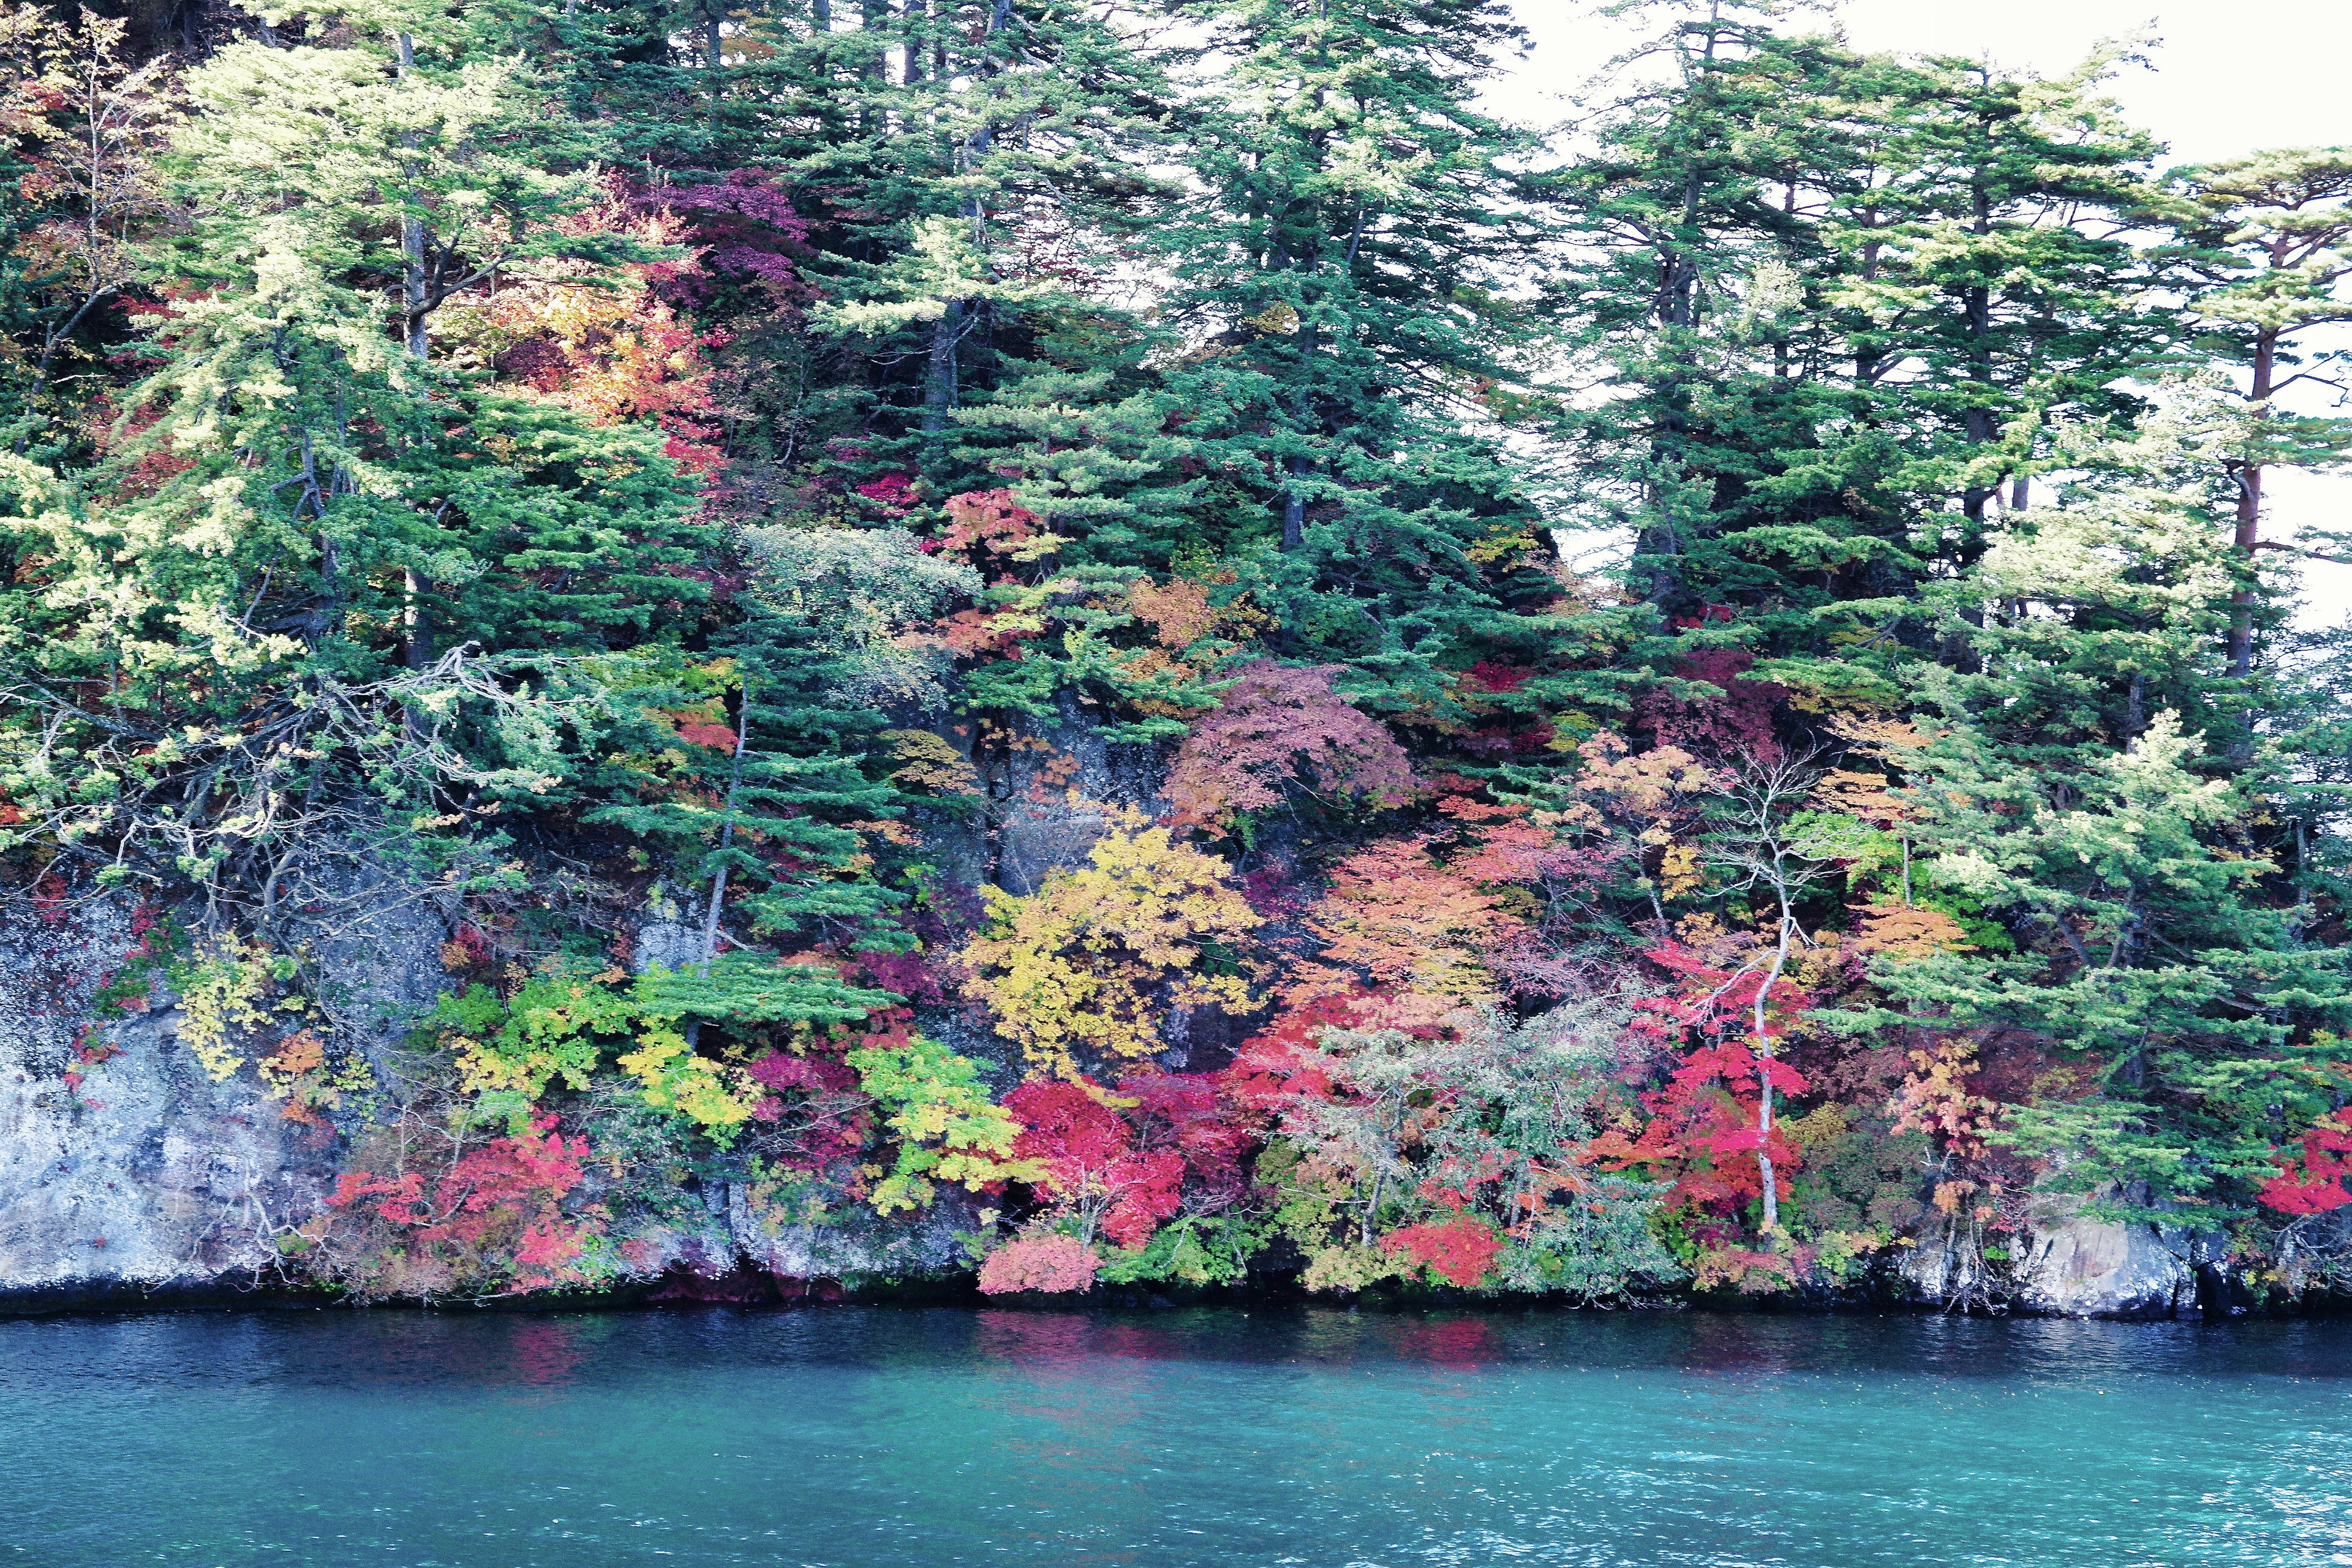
point(1190, 1113)
point(514, 1180)
point(747, 225)
point(1052, 1265)
point(826, 1112)
point(1088, 1153)
point(1281, 725)
point(892, 492)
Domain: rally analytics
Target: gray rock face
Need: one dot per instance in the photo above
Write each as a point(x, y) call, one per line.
point(146, 1178)
point(1055, 792)
point(924, 1247)
point(2082, 1269)
point(2065, 1265)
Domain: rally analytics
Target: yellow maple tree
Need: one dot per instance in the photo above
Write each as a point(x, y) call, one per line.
point(1086, 970)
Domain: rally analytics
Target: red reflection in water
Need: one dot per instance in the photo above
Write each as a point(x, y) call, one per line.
point(1036, 1339)
point(1450, 1342)
point(545, 1352)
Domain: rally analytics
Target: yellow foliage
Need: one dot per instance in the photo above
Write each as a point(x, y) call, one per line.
point(674, 1079)
point(1678, 870)
point(1935, 1098)
point(1907, 934)
point(1347, 1268)
point(222, 995)
point(930, 762)
point(1092, 962)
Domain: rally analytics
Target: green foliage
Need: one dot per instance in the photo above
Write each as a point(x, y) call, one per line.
point(937, 1106)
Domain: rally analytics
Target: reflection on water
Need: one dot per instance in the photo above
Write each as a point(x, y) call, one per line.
point(926, 1438)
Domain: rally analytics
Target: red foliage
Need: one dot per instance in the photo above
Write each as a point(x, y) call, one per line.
point(747, 225)
point(1189, 1114)
point(1090, 1161)
point(1461, 1250)
point(1737, 723)
point(1278, 1064)
point(817, 1097)
point(2312, 1182)
point(515, 1182)
point(1702, 1122)
point(891, 492)
point(987, 523)
point(1050, 1264)
point(905, 974)
point(1487, 676)
point(1280, 725)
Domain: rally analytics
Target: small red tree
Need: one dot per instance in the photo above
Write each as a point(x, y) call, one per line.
point(1709, 1132)
point(1461, 1250)
point(2312, 1180)
point(504, 1197)
point(1048, 1264)
point(1090, 1164)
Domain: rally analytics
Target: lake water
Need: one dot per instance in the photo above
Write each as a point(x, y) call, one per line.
point(871, 1438)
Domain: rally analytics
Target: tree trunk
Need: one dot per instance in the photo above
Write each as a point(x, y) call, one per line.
point(413, 246)
point(1764, 1083)
point(2250, 512)
point(1977, 302)
point(939, 379)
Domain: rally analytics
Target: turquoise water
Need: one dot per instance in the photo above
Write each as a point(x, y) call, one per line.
point(861, 1437)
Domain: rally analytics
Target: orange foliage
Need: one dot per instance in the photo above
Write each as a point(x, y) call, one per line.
point(1412, 925)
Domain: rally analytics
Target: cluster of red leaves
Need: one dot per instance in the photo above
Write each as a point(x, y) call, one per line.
point(1737, 723)
point(509, 1190)
point(2311, 1180)
point(1514, 730)
point(619, 357)
point(814, 1100)
point(1088, 1156)
point(894, 493)
point(1279, 726)
point(1278, 1064)
point(699, 727)
point(987, 523)
point(1702, 1129)
point(1129, 1159)
point(1462, 1249)
point(746, 225)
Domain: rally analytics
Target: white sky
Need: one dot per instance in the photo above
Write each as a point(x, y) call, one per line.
point(2228, 77)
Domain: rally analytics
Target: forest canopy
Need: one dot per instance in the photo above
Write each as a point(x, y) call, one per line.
point(961, 610)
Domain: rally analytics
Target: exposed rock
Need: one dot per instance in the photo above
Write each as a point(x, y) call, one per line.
point(2077, 1267)
point(146, 1178)
point(378, 965)
point(735, 1229)
point(1056, 788)
point(665, 944)
point(2064, 1266)
point(922, 1246)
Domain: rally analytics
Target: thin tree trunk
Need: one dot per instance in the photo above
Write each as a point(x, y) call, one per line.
point(2250, 510)
point(693, 1030)
point(1764, 1081)
point(727, 827)
point(939, 379)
